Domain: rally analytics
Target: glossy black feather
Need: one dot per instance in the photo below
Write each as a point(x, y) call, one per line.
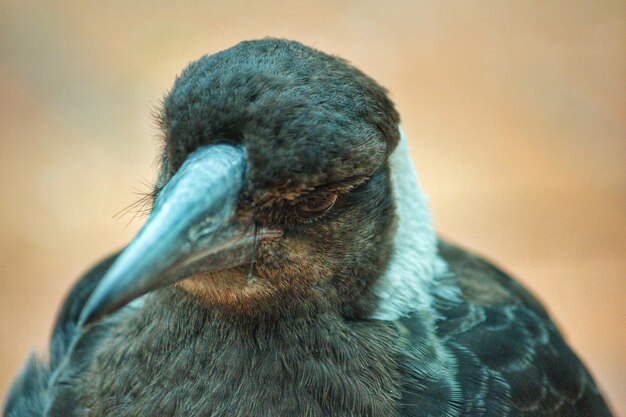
point(509, 358)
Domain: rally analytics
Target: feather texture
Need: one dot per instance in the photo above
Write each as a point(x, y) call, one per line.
point(505, 356)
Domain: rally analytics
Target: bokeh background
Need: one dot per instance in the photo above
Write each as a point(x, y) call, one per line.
point(516, 112)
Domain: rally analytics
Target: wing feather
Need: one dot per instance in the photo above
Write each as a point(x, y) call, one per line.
point(32, 393)
point(509, 357)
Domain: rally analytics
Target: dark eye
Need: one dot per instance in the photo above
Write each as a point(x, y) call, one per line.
point(315, 206)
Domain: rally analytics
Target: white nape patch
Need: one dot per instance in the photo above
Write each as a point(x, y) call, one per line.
point(406, 284)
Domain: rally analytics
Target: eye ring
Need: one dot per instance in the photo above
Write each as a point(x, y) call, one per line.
point(317, 206)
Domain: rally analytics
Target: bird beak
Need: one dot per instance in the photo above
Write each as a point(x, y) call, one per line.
point(193, 228)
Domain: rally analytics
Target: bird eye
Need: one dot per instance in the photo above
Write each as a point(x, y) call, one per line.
point(317, 205)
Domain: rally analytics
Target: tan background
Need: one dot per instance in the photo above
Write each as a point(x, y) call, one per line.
point(515, 110)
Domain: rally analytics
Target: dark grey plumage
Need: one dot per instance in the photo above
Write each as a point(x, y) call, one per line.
point(509, 357)
point(296, 333)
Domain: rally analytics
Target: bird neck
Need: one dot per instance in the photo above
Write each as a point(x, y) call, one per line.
point(414, 264)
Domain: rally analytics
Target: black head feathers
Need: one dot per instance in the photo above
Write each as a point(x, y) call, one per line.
point(306, 118)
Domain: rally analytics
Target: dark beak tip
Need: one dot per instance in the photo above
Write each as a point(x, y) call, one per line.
point(91, 313)
point(87, 318)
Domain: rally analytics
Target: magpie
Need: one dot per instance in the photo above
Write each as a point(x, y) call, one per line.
point(289, 267)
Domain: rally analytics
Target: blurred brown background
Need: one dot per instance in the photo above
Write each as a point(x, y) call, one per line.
point(515, 110)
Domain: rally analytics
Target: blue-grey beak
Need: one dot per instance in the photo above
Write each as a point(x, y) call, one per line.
point(193, 228)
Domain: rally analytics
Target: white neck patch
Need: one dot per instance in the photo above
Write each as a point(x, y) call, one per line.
point(414, 264)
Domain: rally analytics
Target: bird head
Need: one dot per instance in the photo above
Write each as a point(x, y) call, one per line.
point(275, 189)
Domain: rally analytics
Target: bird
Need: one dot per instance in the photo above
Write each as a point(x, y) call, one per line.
point(289, 266)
